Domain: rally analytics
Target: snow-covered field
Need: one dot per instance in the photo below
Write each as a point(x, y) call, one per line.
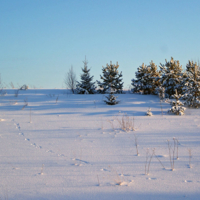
point(65, 146)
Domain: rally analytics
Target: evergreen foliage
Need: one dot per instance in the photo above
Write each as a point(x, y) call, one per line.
point(149, 113)
point(161, 92)
point(171, 76)
point(147, 79)
point(85, 86)
point(177, 106)
point(111, 99)
point(138, 82)
point(112, 77)
point(192, 85)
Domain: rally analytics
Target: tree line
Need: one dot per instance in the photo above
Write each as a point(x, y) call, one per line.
point(110, 78)
point(169, 79)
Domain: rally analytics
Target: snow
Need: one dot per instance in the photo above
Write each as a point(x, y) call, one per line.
point(66, 146)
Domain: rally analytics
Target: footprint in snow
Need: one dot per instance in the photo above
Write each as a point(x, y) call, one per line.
point(27, 139)
point(61, 155)
point(82, 161)
point(17, 126)
point(124, 175)
point(188, 181)
point(124, 183)
point(36, 146)
point(161, 156)
point(151, 178)
point(21, 134)
point(105, 170)
point(49, 151)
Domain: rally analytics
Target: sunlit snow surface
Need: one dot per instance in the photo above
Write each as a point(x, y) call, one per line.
point(65, 146)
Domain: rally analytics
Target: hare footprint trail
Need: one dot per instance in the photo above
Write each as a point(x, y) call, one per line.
point(60, 155)
point(49, 151)
point(17, 126)
point(188, 181)
point(20, 133)
point(36, 146)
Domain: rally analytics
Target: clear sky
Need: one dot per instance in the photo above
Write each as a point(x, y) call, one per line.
point(41, 39)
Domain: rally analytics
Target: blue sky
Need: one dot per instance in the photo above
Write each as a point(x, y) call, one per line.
point(41, 39)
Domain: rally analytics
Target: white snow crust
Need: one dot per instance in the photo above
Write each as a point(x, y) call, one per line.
point(68, 146)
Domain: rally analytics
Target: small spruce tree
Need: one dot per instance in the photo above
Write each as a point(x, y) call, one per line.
point(149, 113)
point(112, 77)
point(161, 92)
point(85, 86)
point(177, 106)
point(111, 99)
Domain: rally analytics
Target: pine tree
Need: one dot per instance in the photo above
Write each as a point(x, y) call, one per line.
point(171, 76)
point(192, 85)
point(85, 86)
point(112, 77)
point(138, 83)
point(147, 79)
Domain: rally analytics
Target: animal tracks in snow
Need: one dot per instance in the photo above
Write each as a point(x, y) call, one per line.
point(61, 155)
point(36, 146)
point(151, 179)
point(188, 181)
point(105, 170)
point(49, 151)
point(79, 162)
point(21, 134)
point(17, 126)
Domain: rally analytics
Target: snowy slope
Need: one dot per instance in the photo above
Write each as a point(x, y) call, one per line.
point(65, 146)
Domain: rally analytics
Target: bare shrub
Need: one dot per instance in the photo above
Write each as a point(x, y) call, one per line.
point(172, 154)
point(30, 116)
point(136, 144)
point(25, 103)
point(57, 99)
point(70, 80)
point(149, 159)
point(190, 157)
point(16, 93)
point(158, 159)
point(112, 124)
point(126, 123)
point(24, 87)
point(12, 85)
point(98, 181)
